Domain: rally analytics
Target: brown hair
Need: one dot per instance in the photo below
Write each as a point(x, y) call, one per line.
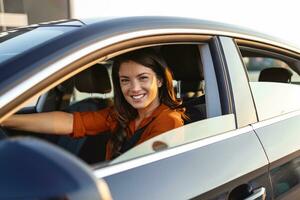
point(124, 112)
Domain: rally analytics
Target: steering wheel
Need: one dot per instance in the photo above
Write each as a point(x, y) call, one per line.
point(3, 133)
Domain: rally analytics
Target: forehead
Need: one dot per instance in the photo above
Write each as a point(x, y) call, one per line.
point(129, 68)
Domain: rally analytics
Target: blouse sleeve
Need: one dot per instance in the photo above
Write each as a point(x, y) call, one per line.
point(91, 123)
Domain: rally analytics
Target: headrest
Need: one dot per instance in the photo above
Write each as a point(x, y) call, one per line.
point(191, 86)
point(275, 74)
point(184, 61)
point(93, 80)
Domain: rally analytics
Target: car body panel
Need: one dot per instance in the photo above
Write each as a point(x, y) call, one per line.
point(182, 170)
point(280, 138)
point(277, 132)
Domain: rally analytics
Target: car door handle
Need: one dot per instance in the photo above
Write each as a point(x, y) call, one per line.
point(258, 194)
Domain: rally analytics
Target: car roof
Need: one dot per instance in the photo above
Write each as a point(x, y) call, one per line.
point(137, 23)
point(213, 27)
point(164, 22)
point(87, 31)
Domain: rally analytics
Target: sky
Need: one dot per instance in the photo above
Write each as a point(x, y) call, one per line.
point(276, 18)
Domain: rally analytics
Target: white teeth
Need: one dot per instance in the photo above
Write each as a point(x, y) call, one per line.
point(138, 96)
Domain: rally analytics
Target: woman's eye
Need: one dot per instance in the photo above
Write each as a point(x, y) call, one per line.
point(143, 78)
point(124, 81)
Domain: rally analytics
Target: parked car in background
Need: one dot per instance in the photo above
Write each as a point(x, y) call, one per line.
point(240, 89)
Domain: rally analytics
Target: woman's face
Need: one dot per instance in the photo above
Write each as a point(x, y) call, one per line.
point(139, 85)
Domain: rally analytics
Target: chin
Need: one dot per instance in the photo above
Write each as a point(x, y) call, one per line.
point(138, 106)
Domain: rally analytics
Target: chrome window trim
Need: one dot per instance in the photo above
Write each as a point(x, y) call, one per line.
point(51, 69)
point(276, 119)
point(127, 165)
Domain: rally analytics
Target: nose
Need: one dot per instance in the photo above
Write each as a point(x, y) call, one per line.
point(135, 85)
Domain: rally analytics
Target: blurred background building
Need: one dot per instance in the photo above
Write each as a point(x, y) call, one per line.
point(14, 13)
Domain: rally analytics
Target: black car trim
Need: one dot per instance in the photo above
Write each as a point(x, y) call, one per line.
point(227, 103)
point(268, 47)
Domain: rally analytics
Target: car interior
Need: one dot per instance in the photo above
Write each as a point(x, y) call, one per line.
point(91, 90)
point(270, 66)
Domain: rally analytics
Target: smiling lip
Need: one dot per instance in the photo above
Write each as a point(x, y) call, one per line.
point(138, 98)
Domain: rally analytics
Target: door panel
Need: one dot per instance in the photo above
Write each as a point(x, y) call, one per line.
point(280, 135)
point(280, 138)
point(189, 170)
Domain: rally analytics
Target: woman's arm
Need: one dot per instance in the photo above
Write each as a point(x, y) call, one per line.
point(60, 123)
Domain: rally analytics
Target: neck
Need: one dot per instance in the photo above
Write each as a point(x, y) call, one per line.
point(146, 112)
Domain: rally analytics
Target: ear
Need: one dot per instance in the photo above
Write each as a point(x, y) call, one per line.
point(159, 82)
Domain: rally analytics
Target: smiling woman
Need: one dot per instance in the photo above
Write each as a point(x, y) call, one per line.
point(139, 85)
point(144, 95)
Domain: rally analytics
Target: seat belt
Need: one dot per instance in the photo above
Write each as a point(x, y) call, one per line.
point(128, 144)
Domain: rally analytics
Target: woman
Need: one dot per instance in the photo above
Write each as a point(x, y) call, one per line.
point(144, 106)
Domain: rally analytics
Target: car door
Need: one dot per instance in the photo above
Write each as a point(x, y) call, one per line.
point(219, 158)
point(214, 168)
point(277, 105)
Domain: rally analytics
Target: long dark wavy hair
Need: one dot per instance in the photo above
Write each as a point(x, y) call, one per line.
point(124, 112)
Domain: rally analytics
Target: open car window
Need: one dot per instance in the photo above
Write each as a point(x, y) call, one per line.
point(195, 83)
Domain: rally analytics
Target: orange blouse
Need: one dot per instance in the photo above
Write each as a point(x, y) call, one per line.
point(91, 123)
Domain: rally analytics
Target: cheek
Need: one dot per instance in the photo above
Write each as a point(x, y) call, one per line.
point(123, 90)
point(154, 87)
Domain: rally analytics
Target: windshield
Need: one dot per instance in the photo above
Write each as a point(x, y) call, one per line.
point(15, 42)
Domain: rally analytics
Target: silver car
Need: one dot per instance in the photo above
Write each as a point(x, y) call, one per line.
point(240, 90)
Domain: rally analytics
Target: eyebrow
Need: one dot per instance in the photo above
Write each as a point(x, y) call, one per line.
point(144, 73)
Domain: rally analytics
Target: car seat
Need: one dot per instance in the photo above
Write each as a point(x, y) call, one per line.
point(195, 103)
point(275, 74)
point(93, 80)
point(185, 62)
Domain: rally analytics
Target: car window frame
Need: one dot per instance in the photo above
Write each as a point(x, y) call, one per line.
point(103, 53)
point(288, 57)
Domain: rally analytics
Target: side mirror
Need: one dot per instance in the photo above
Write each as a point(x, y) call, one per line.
point(34, 169)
